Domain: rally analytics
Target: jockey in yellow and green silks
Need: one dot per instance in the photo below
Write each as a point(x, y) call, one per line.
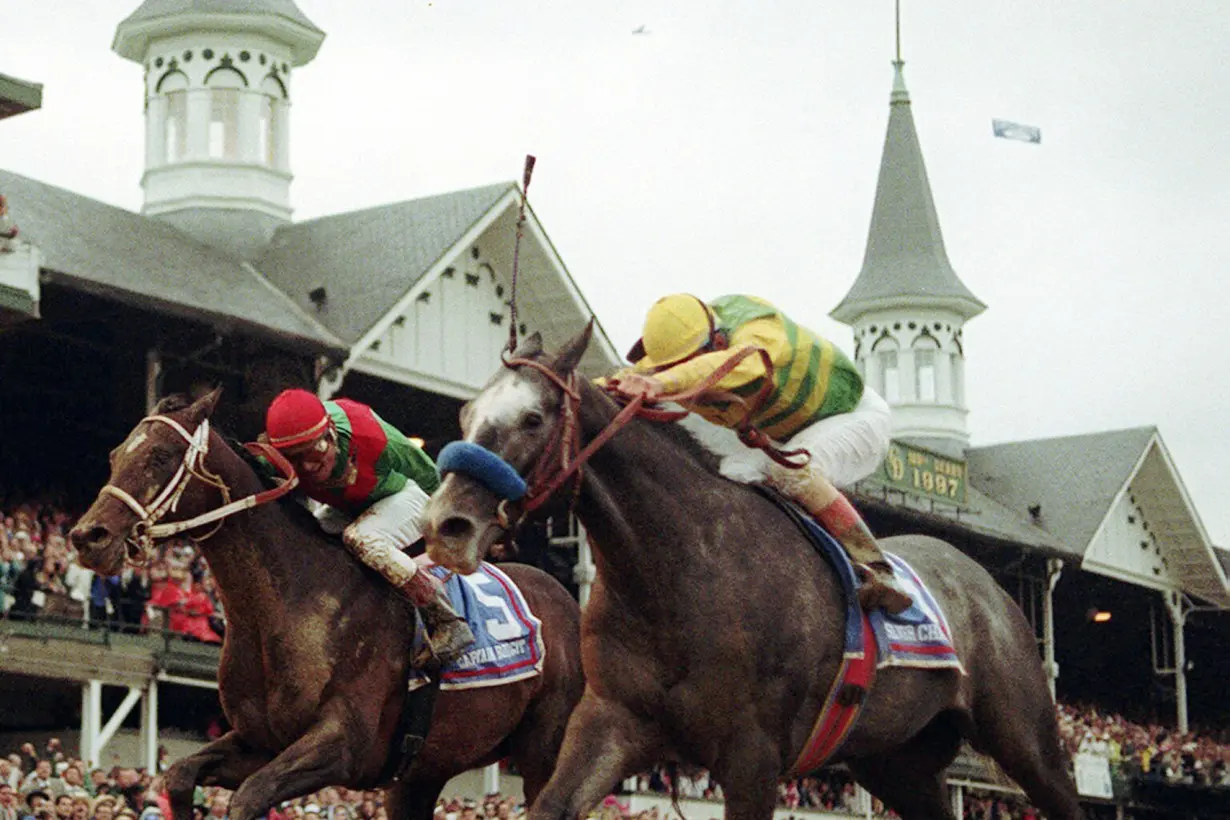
point(816, 401)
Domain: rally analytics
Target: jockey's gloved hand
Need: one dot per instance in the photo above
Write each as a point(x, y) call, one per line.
point(632, 385)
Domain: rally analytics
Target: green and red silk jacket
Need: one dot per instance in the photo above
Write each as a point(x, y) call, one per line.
point(374, 460)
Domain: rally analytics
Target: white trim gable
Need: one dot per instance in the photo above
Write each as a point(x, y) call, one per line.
point(1152, 536)
point(446, 333)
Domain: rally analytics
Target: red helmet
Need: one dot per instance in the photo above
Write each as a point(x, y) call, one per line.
point(296, 416)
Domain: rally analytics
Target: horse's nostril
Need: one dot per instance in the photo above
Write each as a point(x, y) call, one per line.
point(84, 539)
point(456, 527)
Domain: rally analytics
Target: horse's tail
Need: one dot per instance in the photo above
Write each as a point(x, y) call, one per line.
point(672, 769)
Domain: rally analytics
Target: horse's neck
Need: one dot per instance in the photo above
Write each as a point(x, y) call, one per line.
point(244, 553)
point(644, 497)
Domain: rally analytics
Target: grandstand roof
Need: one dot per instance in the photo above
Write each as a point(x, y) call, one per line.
point(1075, 479)
point(1076, 482)
point(367, 260)
point(18, 96)
point(103, 249)
point(981, 514)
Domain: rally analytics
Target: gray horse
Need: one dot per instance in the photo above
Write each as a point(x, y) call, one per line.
point(714, 629)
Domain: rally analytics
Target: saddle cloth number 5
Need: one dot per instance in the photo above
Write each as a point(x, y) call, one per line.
point(504, 627)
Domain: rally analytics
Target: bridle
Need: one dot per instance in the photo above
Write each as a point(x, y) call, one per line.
point(564, 459)
point(147, 528)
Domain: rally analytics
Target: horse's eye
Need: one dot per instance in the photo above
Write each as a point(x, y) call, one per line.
point(159, 457)
point(533, 420)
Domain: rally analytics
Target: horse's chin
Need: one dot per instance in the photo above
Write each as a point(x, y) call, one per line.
point(106, 560)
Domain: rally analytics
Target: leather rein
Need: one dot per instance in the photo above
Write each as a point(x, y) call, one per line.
point(147, 528)
point(564, 459)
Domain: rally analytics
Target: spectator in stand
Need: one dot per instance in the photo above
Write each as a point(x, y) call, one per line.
point(187, 605)
point(39, 778)
point(103, 808)
point(74, 781)
point(8, 802)
point(12, 561)
point(218, 807)
point(36, 805)
point(134, 595)
point(217, 618)
point(28, 589)
point(104, 601)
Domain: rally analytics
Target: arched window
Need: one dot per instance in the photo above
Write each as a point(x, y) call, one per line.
point(175, 127)
point(272, 121)
point(224, 90)
point(888, 379)
point(926, 351)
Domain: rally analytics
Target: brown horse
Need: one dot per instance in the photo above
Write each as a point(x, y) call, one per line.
point(315, 663)
point(714, 629)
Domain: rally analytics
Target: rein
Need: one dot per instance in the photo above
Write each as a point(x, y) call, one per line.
point(147, 529)
point(564, 454)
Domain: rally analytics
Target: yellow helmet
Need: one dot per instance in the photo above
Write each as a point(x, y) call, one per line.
point(677, 326)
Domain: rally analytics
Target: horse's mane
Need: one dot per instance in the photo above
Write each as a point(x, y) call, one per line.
point(675, 433)
point(293, 508)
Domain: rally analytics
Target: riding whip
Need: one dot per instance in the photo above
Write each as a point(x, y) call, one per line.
point(512, 299)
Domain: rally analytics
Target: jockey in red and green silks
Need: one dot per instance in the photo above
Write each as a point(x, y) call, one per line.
point(816, 401)
point(371, 483)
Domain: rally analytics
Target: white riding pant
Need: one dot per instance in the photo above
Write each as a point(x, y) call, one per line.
point(382, 531)
point(844, 449)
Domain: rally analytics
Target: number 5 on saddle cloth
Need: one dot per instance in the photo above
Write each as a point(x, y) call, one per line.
point(507, 636)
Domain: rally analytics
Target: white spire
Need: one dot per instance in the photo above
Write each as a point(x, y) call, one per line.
point(217, 91)
point(908, 306)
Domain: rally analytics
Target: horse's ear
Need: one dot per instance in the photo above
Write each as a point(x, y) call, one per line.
point(203, 407)
point(570, 356)
point(530, 346)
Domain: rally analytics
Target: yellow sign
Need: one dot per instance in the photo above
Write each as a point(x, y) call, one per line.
point(921, 472)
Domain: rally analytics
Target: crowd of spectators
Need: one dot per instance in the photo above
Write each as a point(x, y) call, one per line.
point(50, 784)
point(1149, 751)
point(40, 578)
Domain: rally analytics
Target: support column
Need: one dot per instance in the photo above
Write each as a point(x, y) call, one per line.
point(958, 800)
point(491, 779)
point(153, 374)
point(149, 727)
point(200, 110)
point(873, 372)
point(907, 376)
point(91, 720)
point(1177, 604)
point(250, 126)
point(155, 131)
point(862, 800)
point(116, 720)
point(1054, 569)
point(585, 572)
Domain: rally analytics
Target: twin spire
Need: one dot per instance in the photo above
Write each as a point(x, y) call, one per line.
point(905, 262)
point(907, 307)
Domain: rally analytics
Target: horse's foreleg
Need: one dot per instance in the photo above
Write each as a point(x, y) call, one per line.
point(747, 770)
point(323, 756)
point(604, 744)
point(412, 800)
point(226, 762)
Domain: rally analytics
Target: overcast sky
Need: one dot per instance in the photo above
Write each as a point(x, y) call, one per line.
point(735, 148)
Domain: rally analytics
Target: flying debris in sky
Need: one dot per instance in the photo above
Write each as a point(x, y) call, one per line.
point(1016, 131)
point(640, 29)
